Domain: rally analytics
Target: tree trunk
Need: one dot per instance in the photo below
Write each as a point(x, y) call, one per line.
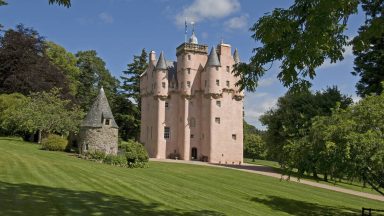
point(39, 137)
point(315, 174)
point(325, 177)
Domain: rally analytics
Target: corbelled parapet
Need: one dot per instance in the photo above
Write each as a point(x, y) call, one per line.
point(190, 47)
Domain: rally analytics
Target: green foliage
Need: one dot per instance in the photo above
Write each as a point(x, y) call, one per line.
point(96, 155)
point(135, 153)
point(254, 144)
point(66, 61)
point(66, 3)
point(54, 143)
point(116, 160)
point(10, 113)
point(93, 76)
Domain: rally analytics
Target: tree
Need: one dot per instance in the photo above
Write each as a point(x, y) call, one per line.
point(10, 105)
point(292, 120)
point(302, 37)
point(66, 62)
point(131, 77)
point(127, 116)
point(66, 3)
point(24, 65)
point(94, 75)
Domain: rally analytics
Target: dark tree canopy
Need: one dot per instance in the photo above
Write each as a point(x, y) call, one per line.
point(24, 66)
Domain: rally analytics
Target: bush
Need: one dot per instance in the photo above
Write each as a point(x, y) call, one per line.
point(96, 155)
point(116, 160)
point(54, 143)
point(135, 154)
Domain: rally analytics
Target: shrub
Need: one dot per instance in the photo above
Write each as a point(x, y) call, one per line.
point(96, 155)
point(135, 154)
point(54, 143)
point(116, 160)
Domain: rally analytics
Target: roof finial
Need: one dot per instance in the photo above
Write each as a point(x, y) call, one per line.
point(186, 31)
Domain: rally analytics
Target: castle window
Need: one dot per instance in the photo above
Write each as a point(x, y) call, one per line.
point(86, 146)
point(189, 70)
point(217, 68)
point(234, 136)
point(206, 83)
point(228, 69)
point(189, 57)
point(163, 84)
point(218, 103)
point(217, 120)
point(107, 121)
point(192, 136)
point(188, 84)
point(192, 122)
point(218, 82)
point(167, 132)
point(227, 83)
point(166, 104)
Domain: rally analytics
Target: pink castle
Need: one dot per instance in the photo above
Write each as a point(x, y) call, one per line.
point(191, 108)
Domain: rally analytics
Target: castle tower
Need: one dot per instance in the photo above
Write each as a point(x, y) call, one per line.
point(99, 131)
point(191, 108)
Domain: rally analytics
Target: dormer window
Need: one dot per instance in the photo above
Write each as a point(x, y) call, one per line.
point(107, 121)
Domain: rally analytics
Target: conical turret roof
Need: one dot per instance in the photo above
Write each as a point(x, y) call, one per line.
point(213, 59)
point(100, 110)
point(236, 56)
point(161, 63)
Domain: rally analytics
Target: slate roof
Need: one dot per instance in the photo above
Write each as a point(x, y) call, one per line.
point(161, 63)
point(213, 59)
point(100, 110)
point(236, 56)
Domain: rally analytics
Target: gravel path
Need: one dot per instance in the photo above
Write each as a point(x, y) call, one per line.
point(268, 171)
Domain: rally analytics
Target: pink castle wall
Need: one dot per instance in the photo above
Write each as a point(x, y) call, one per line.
point(192, 110)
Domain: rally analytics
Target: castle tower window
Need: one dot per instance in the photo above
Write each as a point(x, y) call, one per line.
point(189, 57)
point(217, 68)
point(107, 122)
point(188, 84)
point(192, 122)
point(217, 120)
point(218, 82)
point(228, 69)
point(227, 83)
point(218, 103)
point(189, 70)
point(167, 132)
point(192, 136)
point(163, 84)
point(166, 104)
point(234, 136)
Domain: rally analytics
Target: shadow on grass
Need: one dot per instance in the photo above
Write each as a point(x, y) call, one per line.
point(27, 199)
point(302, 208)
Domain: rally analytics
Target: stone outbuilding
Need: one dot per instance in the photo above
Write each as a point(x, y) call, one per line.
point(99, 131)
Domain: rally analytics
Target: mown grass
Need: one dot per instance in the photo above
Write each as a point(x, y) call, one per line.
point(357, 186)
point(37, 182)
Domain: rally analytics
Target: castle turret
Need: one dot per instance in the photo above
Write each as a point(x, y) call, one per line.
point(212, 69)
point(236, 57)
point(161, 78)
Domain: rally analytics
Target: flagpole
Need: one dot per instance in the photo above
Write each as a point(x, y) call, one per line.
point(185, 32)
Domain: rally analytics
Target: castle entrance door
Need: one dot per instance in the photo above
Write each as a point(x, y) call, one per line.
point(194, 153)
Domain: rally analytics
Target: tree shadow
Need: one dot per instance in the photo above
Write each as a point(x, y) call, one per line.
point(28, 199)
point(302, 208)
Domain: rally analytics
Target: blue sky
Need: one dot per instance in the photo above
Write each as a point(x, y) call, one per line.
point(119, 29)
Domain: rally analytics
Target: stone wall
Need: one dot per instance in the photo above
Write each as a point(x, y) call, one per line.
point(103, 139)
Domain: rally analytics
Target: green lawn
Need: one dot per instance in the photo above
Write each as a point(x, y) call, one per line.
point(357, 186)
point(37, 182)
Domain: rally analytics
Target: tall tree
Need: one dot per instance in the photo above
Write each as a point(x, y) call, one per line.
point(94, 75)
point(24, 65)
point(369, 50)
point(66, 62)
point(302, 37)
point(131, 77)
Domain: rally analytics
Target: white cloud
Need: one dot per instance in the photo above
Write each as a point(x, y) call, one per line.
point(237, 23)
point(200, 10)
point(265, 82)
point(348, 53)
point(106, 18)
point(256, 105)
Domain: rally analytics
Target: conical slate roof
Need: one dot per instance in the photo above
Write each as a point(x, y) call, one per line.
point(236, 56)
point(161, 63)
point(99, 110)
point(213, 59)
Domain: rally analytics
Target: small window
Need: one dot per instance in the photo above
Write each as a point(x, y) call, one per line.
point(107, 121)
point(163, 84)
point(166, 104)
point(189, 70)
point(228, 69)
point(192, 122)
point(217, 68)
point(227, 83)
point(234, 136)
point(188, 84)
point(206, 83)
point(192, 136)
point(167, 132)
point(217, 120)
point(218, 82)
point(86, 146)
point(189, 57)
point(218, 103)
